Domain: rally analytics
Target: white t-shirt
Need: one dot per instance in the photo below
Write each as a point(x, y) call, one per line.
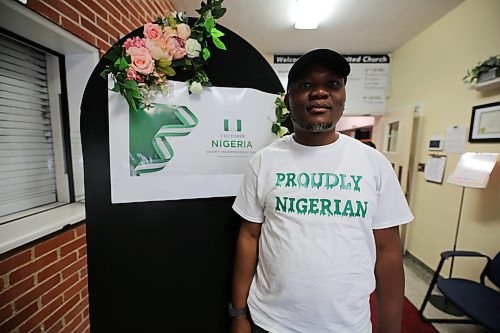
point(318, 206)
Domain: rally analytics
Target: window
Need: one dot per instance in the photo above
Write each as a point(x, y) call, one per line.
point(34, 169)
point(392, 137)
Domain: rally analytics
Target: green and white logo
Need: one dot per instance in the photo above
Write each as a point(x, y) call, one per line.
point(232, 126)
point(150, 149)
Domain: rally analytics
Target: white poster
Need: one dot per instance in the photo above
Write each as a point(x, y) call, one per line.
point(473, 169)
point(186, 146)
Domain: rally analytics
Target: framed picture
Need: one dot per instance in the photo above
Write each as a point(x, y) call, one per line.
point(485, 123)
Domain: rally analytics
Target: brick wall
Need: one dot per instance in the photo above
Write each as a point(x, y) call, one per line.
point(101, 22)
point(43, 286)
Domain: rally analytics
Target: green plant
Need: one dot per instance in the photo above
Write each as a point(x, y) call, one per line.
point(482, 67)
point(282, 114)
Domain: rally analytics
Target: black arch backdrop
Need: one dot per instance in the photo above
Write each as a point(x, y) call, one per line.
point(161, 266)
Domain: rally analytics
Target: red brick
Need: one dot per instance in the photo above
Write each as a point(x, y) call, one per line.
point(92, 27)
point(15, 291)
point(53, 243)
point(76, 30)
point(74, 267)
point(82, 9)
point(59, 290)
point(112, 31)
point(42, 9)
point(73, 324)
point(96, 7)
point(110, 8)
point(18, 318)
point(86, 313)
point(104, 46)
point(119, 26)
point(15, 261)
point(81, 229)
point(59, 313)
point(5, 312)
point(56, 267)
point(43, 313)
point(32, 267)
point(83, 327)
point(56, 328)
point(75, 289)
point(36, 330)
point(63, 8)
point(83, 272)
point(2, 284)
point(123, 9)
point(35, 293)
point(85, 292)
point(77, 310)
point(82, 252)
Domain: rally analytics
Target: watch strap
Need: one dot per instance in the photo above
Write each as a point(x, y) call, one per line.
point(234, 312)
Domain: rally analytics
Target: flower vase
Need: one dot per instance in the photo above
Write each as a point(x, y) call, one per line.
point(150, 129)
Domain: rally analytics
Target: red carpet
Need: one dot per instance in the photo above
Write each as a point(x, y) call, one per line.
point(412, 323)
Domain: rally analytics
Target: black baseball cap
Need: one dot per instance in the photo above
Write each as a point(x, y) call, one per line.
point(328, 58)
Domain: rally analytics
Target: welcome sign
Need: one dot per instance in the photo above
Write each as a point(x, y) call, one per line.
point(186, 146)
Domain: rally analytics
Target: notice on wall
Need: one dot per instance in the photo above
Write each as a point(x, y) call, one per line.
point(186, 146)
point(366, 84)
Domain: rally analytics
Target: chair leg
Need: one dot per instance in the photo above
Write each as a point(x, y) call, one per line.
point(431, 287)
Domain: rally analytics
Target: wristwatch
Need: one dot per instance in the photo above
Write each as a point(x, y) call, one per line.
point(233, 312)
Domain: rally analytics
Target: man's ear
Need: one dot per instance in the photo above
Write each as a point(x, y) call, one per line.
point(287, 102)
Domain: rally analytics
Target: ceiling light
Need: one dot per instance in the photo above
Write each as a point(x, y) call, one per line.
point(308, 13)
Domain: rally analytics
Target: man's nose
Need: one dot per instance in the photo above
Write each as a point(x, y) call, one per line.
point(318, 92)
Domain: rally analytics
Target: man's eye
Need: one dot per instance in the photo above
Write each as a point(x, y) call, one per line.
point(334, 83)
point(304, 85)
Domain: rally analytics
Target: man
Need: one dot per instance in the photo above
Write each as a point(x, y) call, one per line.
point(320, 222)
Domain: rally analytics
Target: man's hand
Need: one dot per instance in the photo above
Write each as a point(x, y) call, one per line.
point(240, 325)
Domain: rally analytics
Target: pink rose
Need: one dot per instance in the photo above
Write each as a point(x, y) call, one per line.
point(152, 31)
point(158, 49)
point(132, 75)
point(134, 41)
point(176, 47)
point(142, 62)
point(183, 31)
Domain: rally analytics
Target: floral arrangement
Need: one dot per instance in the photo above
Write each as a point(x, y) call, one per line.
point(282, 114)
point(140, 68)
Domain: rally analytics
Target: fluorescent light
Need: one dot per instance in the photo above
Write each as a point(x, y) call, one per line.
point(308, 14)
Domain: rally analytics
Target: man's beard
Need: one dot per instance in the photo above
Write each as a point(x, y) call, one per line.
point(314, 128)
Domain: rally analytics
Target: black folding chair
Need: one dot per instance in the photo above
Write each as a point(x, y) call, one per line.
point(478, 301)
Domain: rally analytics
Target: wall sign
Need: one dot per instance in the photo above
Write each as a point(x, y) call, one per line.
point(187, 146)
point(366, 84)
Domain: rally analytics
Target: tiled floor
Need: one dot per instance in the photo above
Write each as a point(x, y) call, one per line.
point(417, 283)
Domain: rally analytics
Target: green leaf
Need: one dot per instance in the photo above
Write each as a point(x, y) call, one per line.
point(131, 84)
point(218, 43)
point(206, 54)
point(210, 24)
point(216, 33)
point(104, 73)
point(116, 88)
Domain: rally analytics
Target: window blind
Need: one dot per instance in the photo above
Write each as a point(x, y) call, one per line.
point(27, 173)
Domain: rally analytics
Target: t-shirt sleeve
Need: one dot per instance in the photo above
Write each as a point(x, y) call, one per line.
point(247, 203)
point(392, 207)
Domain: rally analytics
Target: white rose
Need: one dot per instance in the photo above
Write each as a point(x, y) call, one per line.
point(183, 31)
point(282, 131)
point(193, 48)
point(284, 111)
point(195, 87)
